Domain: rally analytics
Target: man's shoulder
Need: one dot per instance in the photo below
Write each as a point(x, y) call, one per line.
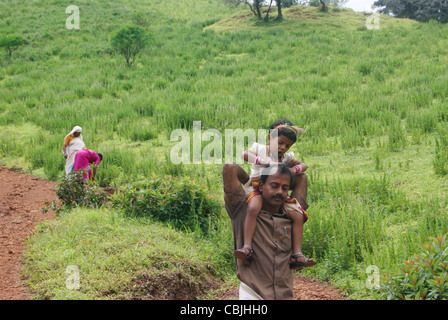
point(234, 201)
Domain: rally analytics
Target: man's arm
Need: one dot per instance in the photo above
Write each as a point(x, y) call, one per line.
point(233, 176)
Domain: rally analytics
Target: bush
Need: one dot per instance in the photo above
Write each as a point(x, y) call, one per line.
point(73, 192)
point(128, 41)
point(182, 202)
point(11, 42)
point(424, 277)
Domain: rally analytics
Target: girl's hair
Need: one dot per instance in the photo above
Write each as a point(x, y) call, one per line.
point(283, 131)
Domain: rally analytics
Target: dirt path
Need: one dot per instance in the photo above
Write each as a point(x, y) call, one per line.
point(22, 198)
point(304, 289)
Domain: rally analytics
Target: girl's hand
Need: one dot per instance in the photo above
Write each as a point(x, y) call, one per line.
point(264, 163)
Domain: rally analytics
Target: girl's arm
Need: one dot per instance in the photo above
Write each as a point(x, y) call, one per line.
point(297, 162)
point(251, 157)
point(248, 156)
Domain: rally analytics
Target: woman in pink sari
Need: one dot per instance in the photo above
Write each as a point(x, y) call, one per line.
point(72, 144)
point(84, 159)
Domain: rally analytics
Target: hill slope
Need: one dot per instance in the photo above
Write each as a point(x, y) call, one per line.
point(299, 17)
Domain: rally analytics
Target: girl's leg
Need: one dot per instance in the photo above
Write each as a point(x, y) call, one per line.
point(253, 209)
point(298, 260)
point(300, 189)
point(297, 230)
point(250, 222)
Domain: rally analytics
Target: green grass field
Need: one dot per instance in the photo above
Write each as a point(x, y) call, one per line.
point(373, 103)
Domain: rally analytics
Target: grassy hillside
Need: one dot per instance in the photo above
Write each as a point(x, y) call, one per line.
point(118, 258)
point(373, 103)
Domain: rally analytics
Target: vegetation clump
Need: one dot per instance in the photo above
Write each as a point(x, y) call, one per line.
point(129, 41)
point(74, 192)
point(422, 277)
point(181, 202)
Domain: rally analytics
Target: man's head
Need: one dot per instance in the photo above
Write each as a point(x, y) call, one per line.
point(282, 135)
point(275, 184)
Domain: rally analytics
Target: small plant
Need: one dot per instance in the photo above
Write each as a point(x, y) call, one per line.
point(397, 137)
point(73, 192)
point(182, 202)
point(441, 153)
point(423, 277)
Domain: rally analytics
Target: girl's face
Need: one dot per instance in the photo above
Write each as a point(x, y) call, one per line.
point(279, 146)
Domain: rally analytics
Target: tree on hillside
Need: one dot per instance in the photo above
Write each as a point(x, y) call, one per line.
point(323, 4)
point(129, 40)
point(420, 10)
point(256, 5)
point(11, 42)
point(280, 4)
point(286, 4)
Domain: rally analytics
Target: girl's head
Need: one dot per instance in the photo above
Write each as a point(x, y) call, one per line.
point(282, 135)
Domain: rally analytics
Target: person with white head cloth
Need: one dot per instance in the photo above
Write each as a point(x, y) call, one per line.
point(72, 143)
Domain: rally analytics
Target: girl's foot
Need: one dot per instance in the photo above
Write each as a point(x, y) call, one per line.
point(245, 254)
point(298, 260)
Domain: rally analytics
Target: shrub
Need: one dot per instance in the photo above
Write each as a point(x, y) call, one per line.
point(128, 41)
point(73, 192)
point(182, 202)
point(11, 42)
point(423, 277)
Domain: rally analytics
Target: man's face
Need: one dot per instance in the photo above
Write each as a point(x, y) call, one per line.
point(275, 190)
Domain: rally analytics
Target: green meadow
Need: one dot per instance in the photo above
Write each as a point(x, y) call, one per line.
point(373, 104)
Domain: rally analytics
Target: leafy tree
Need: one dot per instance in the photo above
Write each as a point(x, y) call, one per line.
point(129, 41)
point(288, 3)
point(420, 10)
point(256, 5)
point(323, 4)
point(11, 42)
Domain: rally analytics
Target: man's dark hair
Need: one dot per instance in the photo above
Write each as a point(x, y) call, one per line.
point(283, 131)
point(281, 168)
